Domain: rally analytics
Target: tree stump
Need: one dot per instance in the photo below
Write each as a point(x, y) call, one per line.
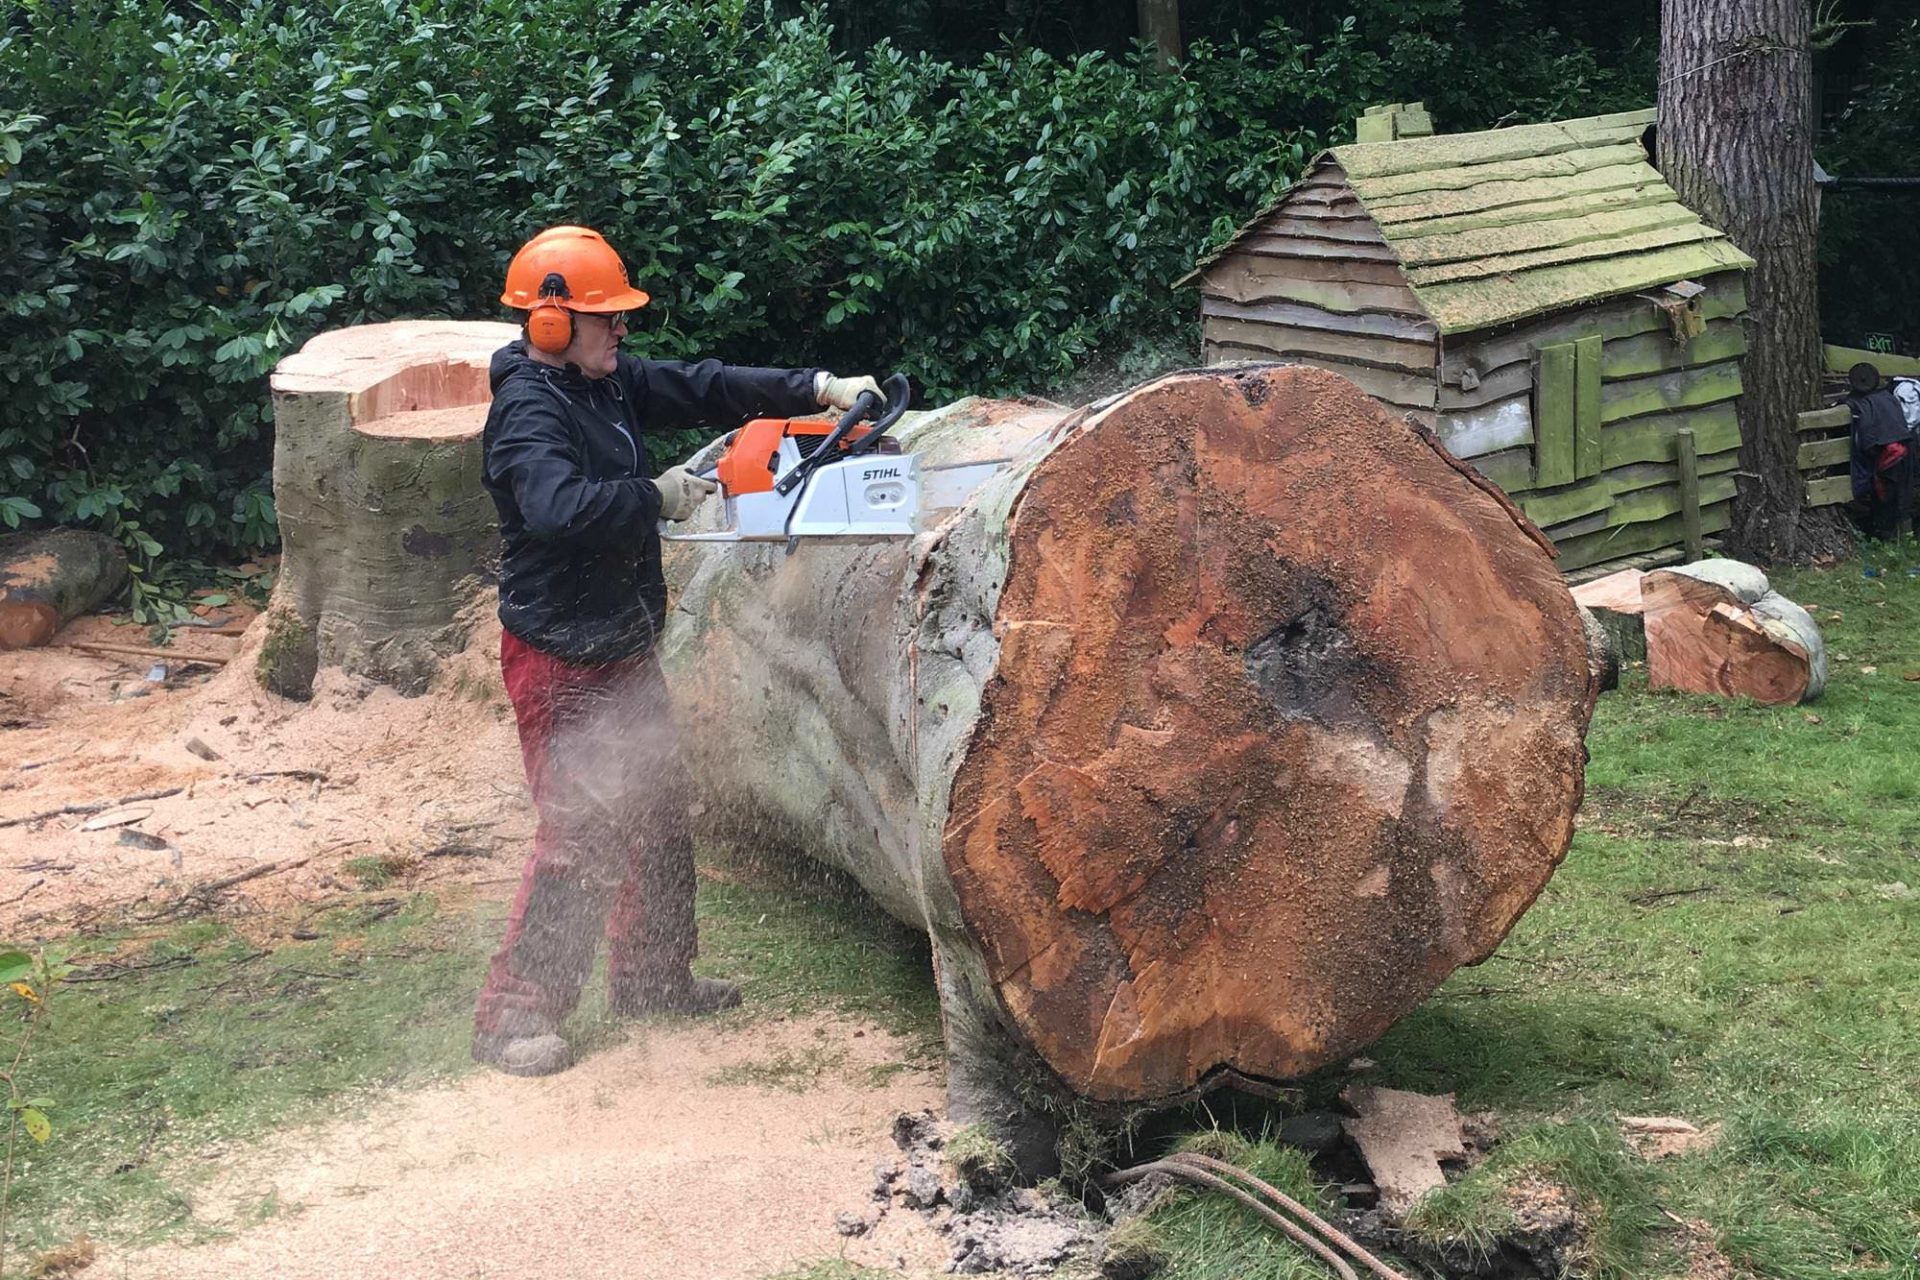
point(49, 578)
point(384, 526)
point(1213, 731)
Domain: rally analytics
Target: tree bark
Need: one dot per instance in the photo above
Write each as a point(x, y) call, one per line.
point(1160, 26)
point(1205, 740)
point(1735, 143)
point(384, 526)
point(48, 579)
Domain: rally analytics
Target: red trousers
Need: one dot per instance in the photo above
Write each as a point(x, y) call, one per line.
point(612, 848)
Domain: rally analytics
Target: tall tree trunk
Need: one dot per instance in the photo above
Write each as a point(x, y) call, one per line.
point(1160, 25)
point(1736, 79)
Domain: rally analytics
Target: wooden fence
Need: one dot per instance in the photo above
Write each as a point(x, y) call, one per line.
point(1826, 437)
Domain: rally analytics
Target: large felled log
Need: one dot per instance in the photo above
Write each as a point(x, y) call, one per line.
point(376, 477)
point(49, 578)
point(1205, 740)
point(1718, 627)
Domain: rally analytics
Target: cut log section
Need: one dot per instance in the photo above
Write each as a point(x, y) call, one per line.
point(1718, 627)
point(1205, 740)
point(47, 579)
point(385, 528)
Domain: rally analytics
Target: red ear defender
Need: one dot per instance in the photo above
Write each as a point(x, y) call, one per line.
point(549, 326)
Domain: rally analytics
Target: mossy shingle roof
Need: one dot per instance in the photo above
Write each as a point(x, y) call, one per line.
point(1497, 226)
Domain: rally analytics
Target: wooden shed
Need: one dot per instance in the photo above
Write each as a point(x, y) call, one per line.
point(1537, 295)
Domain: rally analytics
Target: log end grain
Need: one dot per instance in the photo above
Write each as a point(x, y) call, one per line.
point(27, 625)
point(1287, 723)
point(404, 366)
point(1703, 637)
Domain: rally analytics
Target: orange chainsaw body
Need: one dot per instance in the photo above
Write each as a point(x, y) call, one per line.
point(748, 464)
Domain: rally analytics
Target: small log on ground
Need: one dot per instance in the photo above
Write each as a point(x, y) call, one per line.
point(49, 578)
point(1718, 627)
point(384, 525)
point(1205, 740)
point(1614, 602)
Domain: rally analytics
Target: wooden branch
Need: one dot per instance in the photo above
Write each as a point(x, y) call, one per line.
point(142, 651)
point(97, 806)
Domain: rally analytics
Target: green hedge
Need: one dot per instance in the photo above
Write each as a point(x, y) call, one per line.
point(189, 198)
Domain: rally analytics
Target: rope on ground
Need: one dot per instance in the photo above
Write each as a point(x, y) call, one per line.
point(1311, 1232)
point(1313, 1220)
point(1192, 1173)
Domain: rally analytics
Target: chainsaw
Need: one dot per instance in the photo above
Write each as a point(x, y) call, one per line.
point(789, 480)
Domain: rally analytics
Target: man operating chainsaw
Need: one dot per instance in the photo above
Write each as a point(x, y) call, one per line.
point(582, 601)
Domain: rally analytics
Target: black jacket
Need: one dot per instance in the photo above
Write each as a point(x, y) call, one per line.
point(1877, 422)
point(567, 466)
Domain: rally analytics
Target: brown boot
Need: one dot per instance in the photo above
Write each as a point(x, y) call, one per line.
point(523, 1046)
point(693, 997)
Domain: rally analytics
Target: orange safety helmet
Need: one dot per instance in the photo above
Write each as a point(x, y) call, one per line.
point(566, 269)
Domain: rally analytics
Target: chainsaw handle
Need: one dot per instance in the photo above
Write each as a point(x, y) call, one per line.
point(863, 404)
point(899, 392)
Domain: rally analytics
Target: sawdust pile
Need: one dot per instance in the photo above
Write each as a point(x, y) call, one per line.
point(658, 1160)
point(251, 780)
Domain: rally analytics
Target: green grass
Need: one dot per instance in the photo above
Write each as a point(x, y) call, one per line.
point(1728, 942)
point(801, 938)
point(1205, 1236)
point(169, 1041)
point(1611, 1188)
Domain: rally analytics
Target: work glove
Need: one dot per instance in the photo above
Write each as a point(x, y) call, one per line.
point(840, 393)
point(681, 492)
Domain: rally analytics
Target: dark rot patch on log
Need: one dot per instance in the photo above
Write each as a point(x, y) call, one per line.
point(1308, 667)
point(1287, 723)
point(421, 541)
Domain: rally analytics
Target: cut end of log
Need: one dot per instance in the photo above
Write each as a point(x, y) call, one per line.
point(1287, 723)
point(1708, 631)
point(28, 625)
point(401, 369)
point(459, 422)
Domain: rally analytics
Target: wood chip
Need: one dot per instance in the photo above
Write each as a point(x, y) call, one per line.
point(201, 749)
point(1658, 1137)
point(1403, 1137)
point(117, 818)
point(1618, 592)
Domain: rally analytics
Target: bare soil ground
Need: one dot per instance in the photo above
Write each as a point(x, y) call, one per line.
point(662, 1157)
